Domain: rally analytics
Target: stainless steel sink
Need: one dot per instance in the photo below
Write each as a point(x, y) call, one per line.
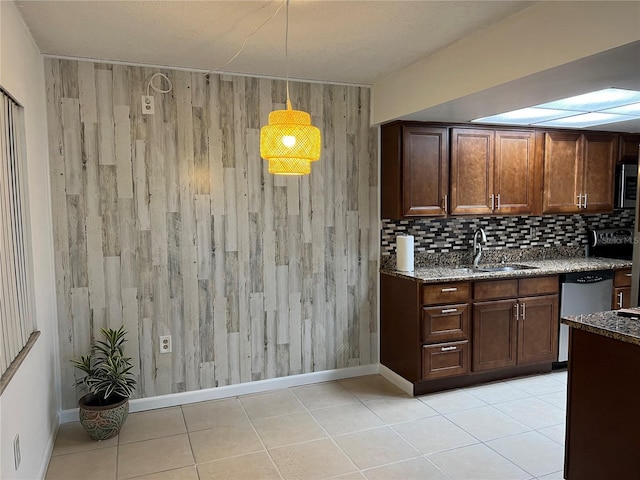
point(463, 270)
point(502, 268)
point(510, 267)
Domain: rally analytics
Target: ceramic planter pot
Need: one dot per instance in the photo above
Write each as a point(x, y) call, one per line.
point(102, 421)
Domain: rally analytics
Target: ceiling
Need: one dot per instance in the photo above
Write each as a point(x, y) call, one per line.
point(358, 42)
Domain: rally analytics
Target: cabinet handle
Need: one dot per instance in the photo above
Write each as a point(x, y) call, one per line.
point(498, 208)
point(448, 349)
point(517, 307)
point(492, 201)
point(444, 202)
point(579, 200)
point(449, 310)
point(585, 201)
point(627, 274)
point(524, 309)
point(452, 289)
point(620, 299)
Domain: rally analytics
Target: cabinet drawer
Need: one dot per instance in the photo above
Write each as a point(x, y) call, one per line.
point(538, 285)
point(495, 289)
point(622, 278)
point(445, 323)
point(441, 293)
point(445, 360)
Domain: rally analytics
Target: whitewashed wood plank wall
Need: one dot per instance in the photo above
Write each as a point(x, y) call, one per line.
point(171, 224)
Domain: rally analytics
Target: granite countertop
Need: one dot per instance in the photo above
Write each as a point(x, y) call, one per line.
point(608, 324)
point(440, 274)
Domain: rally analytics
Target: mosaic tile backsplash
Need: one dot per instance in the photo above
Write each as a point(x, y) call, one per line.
point(558, 235)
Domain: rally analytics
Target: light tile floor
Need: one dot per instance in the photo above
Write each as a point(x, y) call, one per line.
point(361, 428)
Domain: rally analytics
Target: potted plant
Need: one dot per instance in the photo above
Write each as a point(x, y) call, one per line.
point(109, 382)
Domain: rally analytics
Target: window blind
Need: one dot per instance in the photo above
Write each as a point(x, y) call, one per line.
point(16, 291)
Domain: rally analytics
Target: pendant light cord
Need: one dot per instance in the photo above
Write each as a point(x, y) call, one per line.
point(244, 42)
point(286, 48)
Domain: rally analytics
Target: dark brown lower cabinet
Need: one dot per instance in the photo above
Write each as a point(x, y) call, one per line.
point(515, 332)
point(538, 329)
point(621, 297)
point(434, 337)
point(494, 334)
point(621, 289)
point(603, 398)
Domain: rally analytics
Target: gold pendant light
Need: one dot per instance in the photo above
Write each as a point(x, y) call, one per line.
point(289, 143)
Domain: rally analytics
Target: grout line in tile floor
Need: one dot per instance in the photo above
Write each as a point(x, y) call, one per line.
point(478, 442)
point(363, 393)
point(186, 427)
point(259, 438)
point(364, 430)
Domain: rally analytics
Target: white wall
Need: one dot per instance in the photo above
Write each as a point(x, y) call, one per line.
point(541, 37)
point(29, 405)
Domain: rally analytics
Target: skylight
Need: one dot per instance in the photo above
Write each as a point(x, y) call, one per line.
point(610, 105)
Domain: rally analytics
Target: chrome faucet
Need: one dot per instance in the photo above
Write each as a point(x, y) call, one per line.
point(477, 245)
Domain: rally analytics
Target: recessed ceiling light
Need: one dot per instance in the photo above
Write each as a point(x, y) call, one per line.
point(633, 109)
point(586, 120)
point(575, 112)
point(527, 115)
point(595, 101)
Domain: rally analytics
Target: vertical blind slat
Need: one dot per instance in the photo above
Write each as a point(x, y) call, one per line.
point(13, 275)
point(15, 256)
point(4, 274)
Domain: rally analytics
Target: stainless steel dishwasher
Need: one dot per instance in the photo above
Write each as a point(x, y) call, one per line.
point(582, 292)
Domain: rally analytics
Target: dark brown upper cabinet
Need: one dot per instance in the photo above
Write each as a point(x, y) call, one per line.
point(629, 148)
point(579, 172)
point(493, 172)
point(415, 170)
point(435, 170)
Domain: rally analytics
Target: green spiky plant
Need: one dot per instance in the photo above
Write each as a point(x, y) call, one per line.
point(107, 370)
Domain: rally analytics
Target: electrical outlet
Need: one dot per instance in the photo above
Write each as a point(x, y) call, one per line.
point(165, 344)
point(17, 457)
point(148, 107)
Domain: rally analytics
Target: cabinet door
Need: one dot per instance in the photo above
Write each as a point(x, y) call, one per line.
point(600, 153)
point(621, 298)
point(471, 171)
point(629, 149)
point(562, 172)
point(425, 173)
point(538, 329)
point(514, 172)
point(494, 335)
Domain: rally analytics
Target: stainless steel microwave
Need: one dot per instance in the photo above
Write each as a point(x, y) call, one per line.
point(627, 186)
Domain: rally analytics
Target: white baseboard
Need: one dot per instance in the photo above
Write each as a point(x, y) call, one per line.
point(405, 385)
point(183, 398)
point(44, 466)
